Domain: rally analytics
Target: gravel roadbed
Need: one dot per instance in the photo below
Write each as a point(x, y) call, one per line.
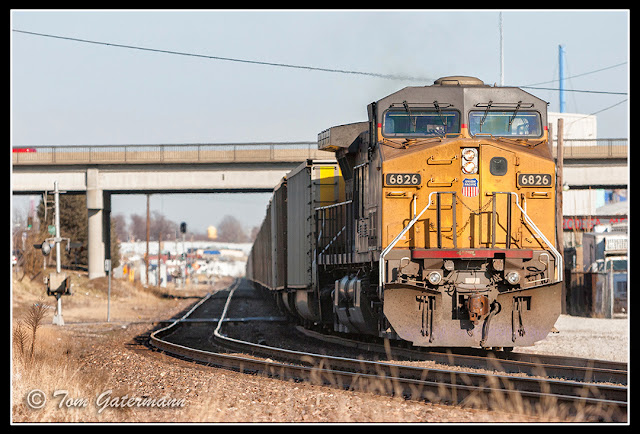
point(121, 353)
point(594, 338)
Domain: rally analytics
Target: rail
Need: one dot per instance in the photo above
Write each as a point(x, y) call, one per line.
point(443, 385)
point(167, 153)
point(572, 368)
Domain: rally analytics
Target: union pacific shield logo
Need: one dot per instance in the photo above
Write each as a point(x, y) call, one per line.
point(470, 187)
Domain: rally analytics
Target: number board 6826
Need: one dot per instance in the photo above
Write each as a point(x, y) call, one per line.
point(392, 179)
point(534, 180)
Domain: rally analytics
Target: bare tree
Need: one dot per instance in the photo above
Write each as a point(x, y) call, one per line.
point(158, 224)
point(230, 230)
point(138, 227)
point(161, 225)
point(120, 224)
point(254, 233)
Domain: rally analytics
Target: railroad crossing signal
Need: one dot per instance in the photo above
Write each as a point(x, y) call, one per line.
point(58, 283)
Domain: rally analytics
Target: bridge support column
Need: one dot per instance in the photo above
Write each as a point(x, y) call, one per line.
point(96, 230)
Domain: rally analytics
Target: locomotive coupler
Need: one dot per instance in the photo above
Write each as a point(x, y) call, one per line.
point(495, 308)
point(477, 306)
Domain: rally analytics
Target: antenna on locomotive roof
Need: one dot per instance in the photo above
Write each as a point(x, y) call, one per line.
point(501, 52)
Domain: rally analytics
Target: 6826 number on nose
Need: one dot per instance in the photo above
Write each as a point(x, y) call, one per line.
point(534, 180)
point(403, 179)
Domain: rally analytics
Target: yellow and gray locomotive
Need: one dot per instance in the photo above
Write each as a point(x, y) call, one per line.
point(434, 224)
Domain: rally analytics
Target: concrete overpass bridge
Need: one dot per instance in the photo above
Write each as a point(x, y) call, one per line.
point(159, 168)
point(100, 171)
point(595, 163)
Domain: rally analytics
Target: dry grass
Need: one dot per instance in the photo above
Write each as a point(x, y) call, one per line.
point(49, 370)
point(76, 366)
point(129, 301)
point(229, 397)
point(50, 358)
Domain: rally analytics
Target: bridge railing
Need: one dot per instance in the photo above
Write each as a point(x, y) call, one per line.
point(593, 148)
point(248, 152)
point(182, 153)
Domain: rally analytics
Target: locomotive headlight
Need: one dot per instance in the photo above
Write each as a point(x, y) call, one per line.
point(469, 167)
point(513, 277)
point(469, 161)
point(469, 154)
point(435, 277)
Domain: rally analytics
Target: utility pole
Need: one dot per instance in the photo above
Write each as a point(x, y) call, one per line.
point(146, 256)
point(57, 318)
point(183, 230)
point(107, 268)
point(159, 256)
point(559, 193)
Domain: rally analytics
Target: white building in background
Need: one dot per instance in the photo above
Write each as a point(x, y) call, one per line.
point(207, 260)
point(581, 202)
point(177, 247)
point(576, 126)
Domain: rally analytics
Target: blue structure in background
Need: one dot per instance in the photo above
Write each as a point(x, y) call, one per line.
point(561, 74)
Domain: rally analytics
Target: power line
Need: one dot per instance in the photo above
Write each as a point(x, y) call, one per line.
point(285, 65)
point(599, 111)
point(180, 53)
point(610, 107)
point(583, 74)
point(574, 90)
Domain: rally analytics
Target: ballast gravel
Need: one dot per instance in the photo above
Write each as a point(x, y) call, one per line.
point(594, 338)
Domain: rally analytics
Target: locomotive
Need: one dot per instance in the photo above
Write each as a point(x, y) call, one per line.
point(434, 223)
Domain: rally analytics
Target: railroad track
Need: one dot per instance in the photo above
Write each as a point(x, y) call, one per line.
point(573, 368)
point(498, 391)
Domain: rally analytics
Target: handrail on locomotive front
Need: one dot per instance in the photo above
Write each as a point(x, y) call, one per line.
point(554, 251)
point(381, 267)
point(527, 219)
point(323, 209)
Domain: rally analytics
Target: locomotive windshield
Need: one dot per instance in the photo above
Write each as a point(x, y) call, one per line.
point(420, 123)
point(505, 123)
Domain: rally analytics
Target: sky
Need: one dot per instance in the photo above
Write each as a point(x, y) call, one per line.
point(67, 92)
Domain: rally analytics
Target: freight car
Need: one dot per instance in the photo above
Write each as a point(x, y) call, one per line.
point(435, 224)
